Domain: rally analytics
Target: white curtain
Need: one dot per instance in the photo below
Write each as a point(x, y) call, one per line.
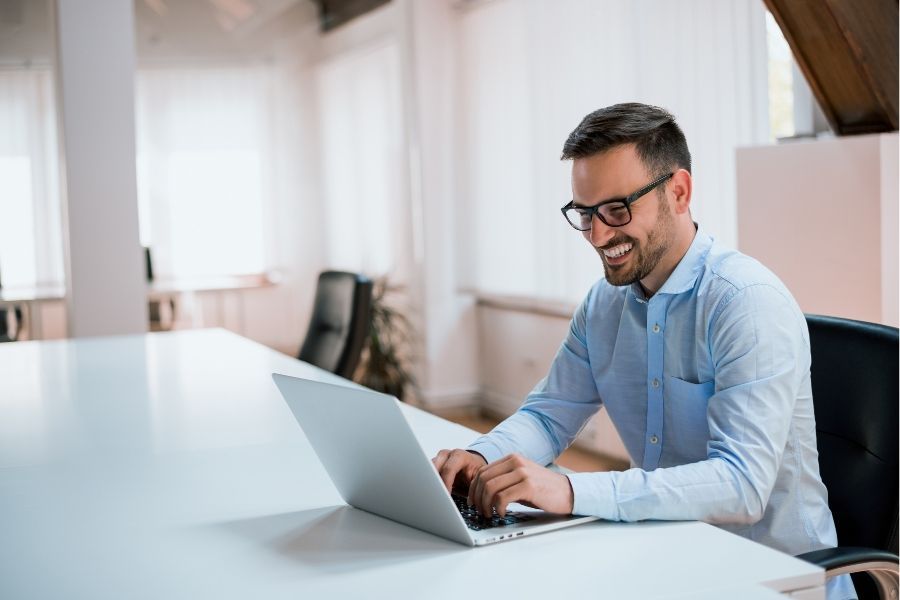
point(205, 169)
point(30, 222)
point(530, 70)
point(360, 110)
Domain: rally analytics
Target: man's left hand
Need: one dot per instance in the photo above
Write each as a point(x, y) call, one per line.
point(517, 479)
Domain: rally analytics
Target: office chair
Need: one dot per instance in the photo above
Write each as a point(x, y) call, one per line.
point(340, 322)
point(8, 334)
point(855, 393)
point(157, 309)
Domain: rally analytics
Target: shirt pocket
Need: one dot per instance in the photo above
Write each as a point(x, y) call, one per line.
point(686, 428)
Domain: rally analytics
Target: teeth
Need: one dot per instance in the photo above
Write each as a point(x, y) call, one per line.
point(617, 251)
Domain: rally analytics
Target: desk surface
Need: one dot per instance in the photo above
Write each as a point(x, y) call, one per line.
point(168, 466)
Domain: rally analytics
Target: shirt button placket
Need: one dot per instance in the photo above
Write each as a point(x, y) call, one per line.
point(656, 312)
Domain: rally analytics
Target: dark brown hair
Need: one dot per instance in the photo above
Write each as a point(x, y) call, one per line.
point(658, 139)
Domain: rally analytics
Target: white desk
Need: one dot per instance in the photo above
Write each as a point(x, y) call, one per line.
point(168, 466)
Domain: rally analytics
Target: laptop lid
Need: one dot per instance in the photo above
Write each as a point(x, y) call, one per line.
point(372, 456)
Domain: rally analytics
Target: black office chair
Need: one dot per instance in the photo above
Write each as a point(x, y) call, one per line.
point(340, 322)
point(855, 393)
point(157, 309)
point(7, 333)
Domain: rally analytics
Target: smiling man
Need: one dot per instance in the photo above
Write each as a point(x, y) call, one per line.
point(699, 354)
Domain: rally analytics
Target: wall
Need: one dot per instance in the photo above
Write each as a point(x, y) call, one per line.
point(822, 215)
point(890, 217)
point(448, 372)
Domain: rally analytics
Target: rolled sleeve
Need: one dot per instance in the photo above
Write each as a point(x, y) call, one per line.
point(595, 495)
point(556, 410)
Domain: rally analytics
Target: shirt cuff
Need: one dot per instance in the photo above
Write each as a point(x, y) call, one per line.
point(594, 495)
point(488, 450)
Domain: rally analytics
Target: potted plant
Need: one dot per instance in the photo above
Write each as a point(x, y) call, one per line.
point(384, 366)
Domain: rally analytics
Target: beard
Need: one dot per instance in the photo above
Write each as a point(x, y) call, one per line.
point(643, 260)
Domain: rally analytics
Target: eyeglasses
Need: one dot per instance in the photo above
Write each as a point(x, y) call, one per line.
point(614, 213)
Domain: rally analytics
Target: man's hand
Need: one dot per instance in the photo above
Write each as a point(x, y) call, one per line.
point(457, 467)
point(517, 479)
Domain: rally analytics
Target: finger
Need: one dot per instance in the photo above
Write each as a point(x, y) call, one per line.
point(473, 486)
point(476, 484)
point(470, 463)
point(494, 493)
point(489, 471)
point(517, 492)
point(482, 474)
point(474, 461)
point(504, 465)
point(485, 476)
point(451, 468)
point(440, 458)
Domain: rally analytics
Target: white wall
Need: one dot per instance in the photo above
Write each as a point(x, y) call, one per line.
point(822, 215)
point(448, 372)
point(890, 218)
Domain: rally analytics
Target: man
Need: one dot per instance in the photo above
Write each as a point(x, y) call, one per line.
point(699, 354)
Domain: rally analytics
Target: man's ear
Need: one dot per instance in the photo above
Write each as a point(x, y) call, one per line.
point(681, 187)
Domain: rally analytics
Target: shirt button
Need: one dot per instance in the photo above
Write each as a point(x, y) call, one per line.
point(656, 328)
point(656, 383)
point(654, 439)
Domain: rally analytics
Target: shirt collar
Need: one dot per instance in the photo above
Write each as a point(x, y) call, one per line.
point(686, 272)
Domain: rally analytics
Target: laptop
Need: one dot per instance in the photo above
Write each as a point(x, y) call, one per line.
point(377, 465)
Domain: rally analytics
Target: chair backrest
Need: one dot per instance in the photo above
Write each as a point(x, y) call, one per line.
point(5, 314)
point(4, 326)
point(855, 392)
point(340, 322)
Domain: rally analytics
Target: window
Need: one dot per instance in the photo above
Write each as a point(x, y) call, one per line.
point(30, 225)
point(781, 82)
point(204, 169)
point(529, 72)
point(364, 198)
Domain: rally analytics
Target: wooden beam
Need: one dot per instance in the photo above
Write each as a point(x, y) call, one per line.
point(848, 52)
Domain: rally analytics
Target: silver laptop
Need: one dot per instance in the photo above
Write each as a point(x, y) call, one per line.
point(377, 465)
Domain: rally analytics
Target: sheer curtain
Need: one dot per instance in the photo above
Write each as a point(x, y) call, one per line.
point(205, 175)
point(30, 210)
point(531, 70)
point(362, 153)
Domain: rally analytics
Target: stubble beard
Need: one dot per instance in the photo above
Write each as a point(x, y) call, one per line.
point(659, 240)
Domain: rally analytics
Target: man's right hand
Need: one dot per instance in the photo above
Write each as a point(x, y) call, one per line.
point(457, 467)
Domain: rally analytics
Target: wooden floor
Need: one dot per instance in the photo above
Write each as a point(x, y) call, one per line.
point(575, 459)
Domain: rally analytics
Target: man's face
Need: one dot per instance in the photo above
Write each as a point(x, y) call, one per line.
point(631, 252)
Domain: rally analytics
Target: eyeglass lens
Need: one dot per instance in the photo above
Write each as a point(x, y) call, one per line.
point(613, 214)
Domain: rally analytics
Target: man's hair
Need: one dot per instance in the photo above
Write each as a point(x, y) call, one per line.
point(658, 139)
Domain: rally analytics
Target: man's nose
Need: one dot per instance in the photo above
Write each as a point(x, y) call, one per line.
point(600, 233)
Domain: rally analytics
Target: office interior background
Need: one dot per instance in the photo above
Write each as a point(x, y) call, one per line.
point(249, 147)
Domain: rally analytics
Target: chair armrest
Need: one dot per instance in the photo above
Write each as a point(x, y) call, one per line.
point(882, 566)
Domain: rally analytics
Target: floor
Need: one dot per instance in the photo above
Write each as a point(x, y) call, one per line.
point(574, 458)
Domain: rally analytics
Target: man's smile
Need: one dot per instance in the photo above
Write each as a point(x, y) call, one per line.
point(618, 254)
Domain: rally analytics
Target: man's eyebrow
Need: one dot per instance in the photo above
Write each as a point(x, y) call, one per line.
point(579, 205)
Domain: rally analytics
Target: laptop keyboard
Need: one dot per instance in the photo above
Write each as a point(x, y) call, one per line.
point(477, 522)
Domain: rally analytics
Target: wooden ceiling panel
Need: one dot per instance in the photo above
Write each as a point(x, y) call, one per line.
point(848, 52)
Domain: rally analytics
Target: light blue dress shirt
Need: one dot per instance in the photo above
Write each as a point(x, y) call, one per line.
point(708, 384)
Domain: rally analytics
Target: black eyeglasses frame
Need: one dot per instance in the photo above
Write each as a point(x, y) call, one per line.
point(627, 201)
